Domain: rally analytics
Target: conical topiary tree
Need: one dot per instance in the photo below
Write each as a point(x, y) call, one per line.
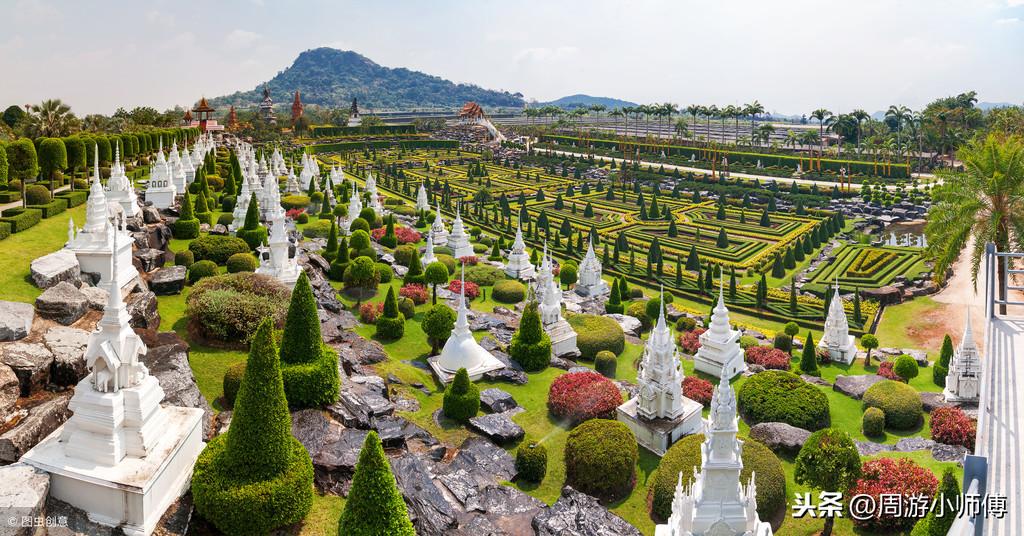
point(331, 249)
point(530, 345)
point(389, 239)
point(614, 303)
point(391, 323)
point(340, 262)
point(252, 232)
point(461, 398)
point(310, 370)
point(374, 506)
point(187, 225)
point(415, 273)
point(809, 358)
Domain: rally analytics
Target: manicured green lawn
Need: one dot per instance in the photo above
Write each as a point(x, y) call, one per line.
point(906, 325)
point(20, 249)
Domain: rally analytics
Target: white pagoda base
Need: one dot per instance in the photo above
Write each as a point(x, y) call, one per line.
point(287, 274)
point(461, 250)
point(841, 354)
point(126, 200)
point(134, 493)
point(446, 376)
point(519, 267)
point(712, 359)
point(598, 289)
point(440, 238)
point(657, 435)
point(563, 339)
point(161, 198)
point(96, 260)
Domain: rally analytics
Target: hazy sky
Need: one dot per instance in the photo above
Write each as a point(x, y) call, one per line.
point(792, 55)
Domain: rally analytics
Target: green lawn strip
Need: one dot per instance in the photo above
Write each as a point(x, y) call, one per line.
point(22, 248)
point(898, 320)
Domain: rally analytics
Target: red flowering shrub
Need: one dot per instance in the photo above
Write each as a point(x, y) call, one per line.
point(294, 213)
point(885, 371)
point(698, 389)
point(469, 260)
point(472, 289)
point(417, 293)
point(953, 427)
point(823, 355)
point(892, 476)
point(368, 312)
point(768, 357)
point(404, 235)
point(580, 396)
point(690, 340)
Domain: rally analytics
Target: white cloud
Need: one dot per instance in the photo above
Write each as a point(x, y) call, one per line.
point(239, 39)
point(1007, 21)
point(1014, 3)
point(546, 54)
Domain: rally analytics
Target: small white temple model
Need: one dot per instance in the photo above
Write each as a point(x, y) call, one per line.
point(519, 265)
point(837, 339)
point(274, 260)
point(421, 199)
point(461, 350)
point(120, 189)
point(660, 415)
point(588, 280)
point(716, 503)
point(160, 190)
point(437, 229)
point(720, 353)
point(458, 240)
point(963, 381)
point(121, 457)
point(549, 294)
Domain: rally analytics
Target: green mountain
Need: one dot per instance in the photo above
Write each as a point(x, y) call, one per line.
point(578, 100)
point(331, 77)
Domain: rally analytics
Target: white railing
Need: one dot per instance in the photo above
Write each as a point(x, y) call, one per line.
point(975, 475)
point(997, 288)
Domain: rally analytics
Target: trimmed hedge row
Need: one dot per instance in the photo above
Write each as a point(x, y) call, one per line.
point(217, 248)
point(23, 220)
point(381, 144)
point(73, 198)
point(52, 208)
point(5, 230)
point(328, 131)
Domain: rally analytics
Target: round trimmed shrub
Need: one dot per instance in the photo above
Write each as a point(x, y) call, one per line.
point(201, 269)
point(906, 367)
point(230, 307)
point(596, 333)
point(294, 201)
point(317, 229)
point(225, 219)
point(184, 258)
point(185, 229)
point(359, 224)
point(217, 248)
point(484, 275)
point(600, 459)
point(461, 398)
point(404, 254)
point(779, 396)
point(508, 291)
point(873, 422)
point(685, 455)
point(685, 323)
point(605, 363)
point(241, 262)
point(480, 248)
point(746, 341)
point(581, 396)
point(639, 310)
point(384, 271)
point(232, 381)
point(407, 307)
point(531, 462)
point(37, 194)
point(448, 261)
point(302, 218)
point(899, 401)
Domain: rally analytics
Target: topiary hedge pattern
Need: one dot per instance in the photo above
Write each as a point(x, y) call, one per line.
point(596, 333)
point(685, 455)
point(600, 459)
point(581, 396)
point(778, 396)
point(900, 402)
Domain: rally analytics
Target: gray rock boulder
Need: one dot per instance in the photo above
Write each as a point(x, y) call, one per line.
point(15, 320)
point(150, 215)
point(911, 444)
point(40, 421)
point(62, 302)
point(477, 453)
point(334, 461)
point(496, 400)
point(361, 399)
point(143, 310)
point(579, 513)
point(870, 448)
point(30, 362)
point(167, 360)
point(23, 492)
point(431, 513)
point(150, 259)
point(498, 427)
point(167, 281)
point(630, 324)
point(10, 389)
point(779, 436)
point(949, 453)
point(855, 386)
point(48, 270)
point(932, 401)
point(68, 347)
point(97, 297)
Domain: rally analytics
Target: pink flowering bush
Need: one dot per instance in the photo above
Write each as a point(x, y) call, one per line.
point(698, 389)
point(768, 357)
point(580, 396)
point(293, 214)
point(892, 477)
point(368, 312)
point(472, 289)
point(885, 371)
point(690, 340)
point(415, 292)
point(469, 260)
point(953, 427)
point(404, 235)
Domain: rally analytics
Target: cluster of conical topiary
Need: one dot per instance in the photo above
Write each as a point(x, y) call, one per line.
point(391, 323)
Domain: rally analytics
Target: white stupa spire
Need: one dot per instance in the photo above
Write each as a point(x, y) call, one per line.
point(461, 350)
point(963, 379)
point(836, 337)
point(720, 353)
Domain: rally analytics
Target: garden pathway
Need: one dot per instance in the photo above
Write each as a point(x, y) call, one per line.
point(786, 180)
point(13, 204)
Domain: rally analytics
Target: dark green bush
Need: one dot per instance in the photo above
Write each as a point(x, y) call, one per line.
point(448, 261)
point(461, 398)
point(605, 363)
point(309, 368)
point(314, 384)
point(484, 275)
point(404, 254)
point(201, 269)
point(184, 258)
point(37, 194)
point(407, 307)
point(595, 333)
point(899, 401)
point(508, 291)
point(232, 381)
point(229, 307)
point(873, 422)
point(254, 238)
point(685, 455)
point(638, 309)
point(531, 462)
point(600, 459)
point(186, 229)
point(217, 248)
point(317, 229)
point(241, 262)
point(779, 396)
point(374, 506)
point(384, 271)
point(73, 199)
point(23, 220)
point(530, 346)
point(783, 342)
point(5, 230)
point(225, 219)
point(290, 202)
point(685, 323)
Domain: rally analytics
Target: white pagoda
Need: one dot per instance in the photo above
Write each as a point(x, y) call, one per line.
point(292, 185)
point(659, 414)
point(422, 204)
point(94, 244)
point(177, 169)
point(242, 204)
point(461, 350)
point(355, 206)
point(437, 229)
point(121, 457)
point(274, 260)
point(836, 338)
point(428, 256)
point(519, 265)
point(715, 503)
point(963, 381)
point(307, 174)
point(458, 240)
point(720, 353)
point(120, 189)
point(563, 337)
point(588, 280)
point(187, 167)
point(161, 191)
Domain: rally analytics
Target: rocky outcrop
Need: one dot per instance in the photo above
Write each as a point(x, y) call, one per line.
point(96, 297)
point(142, 308)
point(630, 324)
point(167, 360)
point(167, 281)
point(68, 347)
point(40, 421)
point(48, 270)
point(496, 400)
point(855, 386)
point(932, 401)
point(360, 400)
point(430, 512)
point(10, 389)
point(579, 513)
point(498, 427)
point(15, 320)
point(62, 302)
point(149, 259)
point(779, 436)
point(23, 492)
point(30, 362)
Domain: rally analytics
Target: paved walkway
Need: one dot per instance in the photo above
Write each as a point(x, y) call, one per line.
point(786, 180)
point(13, 204)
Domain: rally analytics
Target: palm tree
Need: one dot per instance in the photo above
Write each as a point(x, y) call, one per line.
point(764, 132)
point(51, 119)
point(709, 112)
point(860, 115)
point(617, 112)
point(681, 128)
point(899, 114)
point(694, 110)
point(985, 202)
point(734, 113)
point(821, 114)
point(792, 138)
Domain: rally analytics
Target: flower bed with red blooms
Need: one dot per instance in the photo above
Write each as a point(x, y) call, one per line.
point(417, 293)
point(953, 427)
point(469, 260)
point(472, 289)
point(885, 371)
point(698, 389)
point(690, 340)
point(404, 235)
point(580, 396)
point(294, 213)
point(368, 312)
point(896, 477)
point(768, 357)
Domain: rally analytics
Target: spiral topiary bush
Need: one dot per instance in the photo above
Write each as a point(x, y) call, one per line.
point(685, 455)
point(581, 396)
point(596, 333)
point(779, 396)
point(600, 459)
point(900, 402)
point(508, 291)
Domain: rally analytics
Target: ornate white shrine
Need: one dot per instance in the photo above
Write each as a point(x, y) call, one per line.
point(96, 243)
point(588, 278)
point(563, 337)
point(837, 339)
point(274, 259)
point(519, 265)
point(437, 229)
point(428, 256)
point(461, 350)
point(458, 240)
point(120, 189)
point(161, 191)
point(422, 204)
point(720, 353)
point(963, 380)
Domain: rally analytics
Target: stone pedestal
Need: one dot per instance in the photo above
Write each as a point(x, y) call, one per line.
point(134, 493)
point(657, 435)
point(96, 259)
point(563, 338)
point(841, 352)
point(713, 357)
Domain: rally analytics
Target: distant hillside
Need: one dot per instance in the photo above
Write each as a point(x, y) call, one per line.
point(575, 101)
point(331, 77)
